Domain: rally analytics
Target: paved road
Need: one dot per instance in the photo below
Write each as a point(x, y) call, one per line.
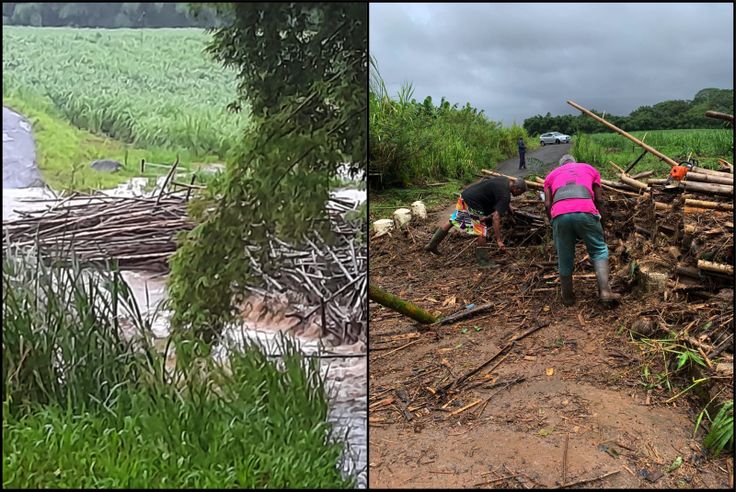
point(549, 155)
point(19, 153)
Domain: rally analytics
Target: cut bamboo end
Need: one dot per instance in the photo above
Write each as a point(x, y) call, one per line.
point(715, 267)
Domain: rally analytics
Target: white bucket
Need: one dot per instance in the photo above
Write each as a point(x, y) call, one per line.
point(382, 226)
point(402, 217)
point(419, 210)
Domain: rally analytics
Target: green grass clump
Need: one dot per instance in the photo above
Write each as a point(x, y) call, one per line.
point(150, 87)
point(707, 146)
point(84, 406)
point(720, 435)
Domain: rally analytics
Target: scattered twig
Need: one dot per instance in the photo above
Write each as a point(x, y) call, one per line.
point(588, 480)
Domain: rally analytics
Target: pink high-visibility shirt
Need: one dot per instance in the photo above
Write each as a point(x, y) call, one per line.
point(578, 173)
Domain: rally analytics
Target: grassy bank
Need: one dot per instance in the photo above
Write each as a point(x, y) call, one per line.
point(85, 406)
point(707, 146)
point(64, 153)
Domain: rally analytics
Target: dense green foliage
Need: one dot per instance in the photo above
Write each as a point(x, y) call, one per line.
point(85, 406)
point(153, 88)
point(676, 114)
point(99, 14)
point(303, 69)
point(706, 146)
point(412, 142)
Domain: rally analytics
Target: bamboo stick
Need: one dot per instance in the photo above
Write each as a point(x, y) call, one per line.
point(716, 188)
point(638, 142)
point(710, 178)
point(708, 204)
point(715, 267)
point(615, 184)
point(633, 182)
point(399, 305)
point(644, 174)
point(530, 184)
point(719, 116)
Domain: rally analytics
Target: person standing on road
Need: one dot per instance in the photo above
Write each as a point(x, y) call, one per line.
point(522, 153)
point(484, 201)
point(574, 202)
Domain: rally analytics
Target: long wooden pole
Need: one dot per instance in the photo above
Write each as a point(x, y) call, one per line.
point(399, 305)
point(719, 116)
point(638, 142)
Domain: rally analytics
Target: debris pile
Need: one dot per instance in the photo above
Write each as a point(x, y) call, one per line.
point(327, 277)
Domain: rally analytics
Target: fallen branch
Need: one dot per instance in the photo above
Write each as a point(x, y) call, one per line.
point(466, 407)
point(588, 480)
point(465, 313)
point(710, 266)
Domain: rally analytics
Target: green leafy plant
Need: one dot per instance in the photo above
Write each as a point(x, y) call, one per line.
point(720, 435)
point(308, 115)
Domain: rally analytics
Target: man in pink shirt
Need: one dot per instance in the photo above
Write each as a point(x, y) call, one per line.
point(573, 199)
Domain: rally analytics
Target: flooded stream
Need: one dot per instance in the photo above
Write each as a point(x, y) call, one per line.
point(346, 377)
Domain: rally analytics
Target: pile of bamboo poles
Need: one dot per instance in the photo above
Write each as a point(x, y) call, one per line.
point(328, 279)
point(136, 233)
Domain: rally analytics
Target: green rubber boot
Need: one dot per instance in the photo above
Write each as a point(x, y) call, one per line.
point(568, 295)
point(439, 235)
point(604, 290)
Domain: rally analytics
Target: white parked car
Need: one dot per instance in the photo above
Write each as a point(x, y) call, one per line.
point(553, 138)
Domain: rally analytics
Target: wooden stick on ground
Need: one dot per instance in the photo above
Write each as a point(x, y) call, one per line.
point(465, 313)
point(466, 407)
point(511, 342)
point(463, 250)
point(397, 349)
point(579, 482)
point(564, 460)
point(715, 267)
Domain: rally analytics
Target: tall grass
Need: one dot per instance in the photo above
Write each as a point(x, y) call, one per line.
point(412, 143)
point(84, 406)
point(149, 87)
point(704, 145)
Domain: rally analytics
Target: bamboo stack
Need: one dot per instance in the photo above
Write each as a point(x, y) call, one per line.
point(326, 277)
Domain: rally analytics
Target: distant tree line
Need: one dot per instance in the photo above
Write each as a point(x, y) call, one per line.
point(666, 115)
point(108, 15)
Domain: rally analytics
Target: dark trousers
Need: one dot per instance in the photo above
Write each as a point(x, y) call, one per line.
point(522, 160)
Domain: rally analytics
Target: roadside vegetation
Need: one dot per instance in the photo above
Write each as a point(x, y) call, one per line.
point(88, 402)
point(414, 144)
point(88, 398)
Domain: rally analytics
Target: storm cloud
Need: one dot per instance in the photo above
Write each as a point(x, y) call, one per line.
point(518, 60)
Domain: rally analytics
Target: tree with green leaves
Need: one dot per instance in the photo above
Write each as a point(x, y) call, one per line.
point(303, 75)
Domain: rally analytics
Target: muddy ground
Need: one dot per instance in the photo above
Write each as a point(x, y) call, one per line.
point(569, 392)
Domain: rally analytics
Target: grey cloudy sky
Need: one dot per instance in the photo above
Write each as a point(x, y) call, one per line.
point(518, 60)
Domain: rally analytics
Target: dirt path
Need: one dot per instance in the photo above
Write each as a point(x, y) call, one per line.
point(576, 379)
point(19, 153)
point(549, 155)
